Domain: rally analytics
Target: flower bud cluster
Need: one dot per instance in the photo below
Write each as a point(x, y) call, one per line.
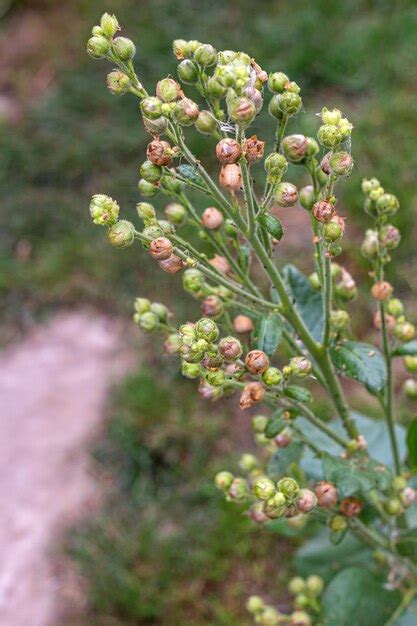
point(267, 615)
point(284, 498)
point(334, 131)
point(286, 100)
point(151, 316)
point(306, 592)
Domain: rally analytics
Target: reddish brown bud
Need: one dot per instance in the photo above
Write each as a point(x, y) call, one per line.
point(351, 507)
point(243, 324)
point(160, 249)
point(323, 211)
point(381, 290)
point(159, 152)
point(212, 306)
point(220, 263)
point(228, 151)
point(172, 265)
point(212, 218)
point(253, 149)
point(230, 177)
point(306, 501)
point(230, 348)
point(327, 495)
point(283, 439)
point(252, 393)
point(389, 321)
point(257, 361)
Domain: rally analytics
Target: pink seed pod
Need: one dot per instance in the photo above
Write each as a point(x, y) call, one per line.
point(382, 290)
point(228, 151)
point(283, 439)
point(351, 506)
point(230, 177)
point(257, 361)
point(160, 249)
point(242, 324)
point(212, 306)
point(221, 264)
point(306, 501)
point(212, 218)
point(159, 152)
point(327, 495)
point(230, 348)
point(252, 393)
point(389, 321)
point(323, 211)
point(172, 265)
point(253, 149)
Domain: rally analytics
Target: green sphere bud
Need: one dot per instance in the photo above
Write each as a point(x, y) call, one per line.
point(122, 234)
point(239, 489)
point(206, 123)
point(394, 307)
point(160, 310)
point(339, 320)
point(338, 523)
point(296, 585)
point(274, 107)
point(215, 89)
point(332, 117)
point(254, 604)
point(168, 90)
point(300, 618)
point(272, 377)
point(286, 194)
point(98, 47)
point(332, 232)
point(193, 280)
point(300, 366)
point(315, 585)
point(142, 305)
point(151, 107)
point(404, 331)
point(104, 210)
point(175, 213)
point(275, 506)
point(277, 82)
point(146, 212)
point(171, 185)
point(314, 281)
point(190, 370)
point(150, 172)
point(109, 25)
point(341, 163)
point(370, 245)
point(295, 147)
point(205, 55)
point(187, 72)
point(289, 487)
point(410, 388)
point(393, 506)
point(216, 378)
point(387, 204)
point(248, 462)
point(370, 185)
point(290, 103)
point(223, 480)
point(259, 423)
point(118, 83)
point(147, 189)
point(149, 321)
point(153, 231)
point(329, 136)
point(207, 329)
point(307, 197)
point(276, 164)
point(264, 488)
point(97, 30)
point(186, 112)
point(410, 363)
point(124, 48)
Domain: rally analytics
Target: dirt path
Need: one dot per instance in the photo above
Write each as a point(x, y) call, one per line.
point(53, 387)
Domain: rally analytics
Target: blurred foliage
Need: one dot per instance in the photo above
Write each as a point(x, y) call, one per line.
point(78, 139)
point(166, 548)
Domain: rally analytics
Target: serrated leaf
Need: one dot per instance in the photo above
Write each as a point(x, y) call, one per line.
point(409, 348)
point(300, 394)
point(362, 362)
point(308, 302)
point(268, 333)
point(355, 475)
point(276, 424)
point(412, 444)
point(357, 596)
point(407, 543)
point(283, 458)
point(272, 225)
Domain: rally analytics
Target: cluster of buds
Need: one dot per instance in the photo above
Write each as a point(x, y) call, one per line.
point(105, 212)
point(286, 100)
point(334, 131)
point(399, 497)
point(267, 615)
point(344, 285)
point(307, 593)
point(151, 316)
point(284, 498)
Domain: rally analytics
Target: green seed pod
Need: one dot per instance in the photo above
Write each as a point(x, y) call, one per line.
point(410, 388)
point(393, 506)
point(410, 363)
point(142, 305)
point(387, 204)
point(272, 377)
point(109, 25)
point(175, 213)
point(186, 112)
point(338, 523)
point(151, 107)
point(332, 232)
point(289, 487)
point(190, 370)
point(339, 320)
point(193, 280)
point(180, 48)
point(296, 585)
point(160, 310)
point(264, 488)
point(341, 163)
point(207, 329)
point(171, 185)
point(259, 423)
point(124, 48)
point(286, 194)
point(315, 585)
point(295, 148)
point(404, 331)
point(147, 189)
point(370, 245)
point(275, 507)
point(329, 136)
point(215, 89)
point(239, 489)
point(389, 236)
point(216, 378)
point(205, 55)
point(242, 111)
point(307, 197)
point(277, 82)
point(223, 480)
point(290, 103)
point(395, 307)
point(370, 185)
point(300, 618)
point(150, 172)
point(206, 123)
point(276, 164)
point(168, 90)
point(300, 366)
point(254, 604)
point(146, 212)
point(248, 462)
point(314, 281)
point(104, 210)
point(274, 107)
point(152, 232)
point(149, 321)
point(98, 47)
point(122, 234)
point(118, 83)
point(187, 72)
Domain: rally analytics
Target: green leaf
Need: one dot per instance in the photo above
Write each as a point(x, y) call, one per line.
point(300, 394)
point(357, 596)
point(412, 444)
point(275, 424)
point(409, 348)
point(283, 458)
point(308, 302)
point(362, 362)
point(407, 542)
point(272, 225)
point(267, 333)
point(409, 617)
point(355, 475)
point(318, 556)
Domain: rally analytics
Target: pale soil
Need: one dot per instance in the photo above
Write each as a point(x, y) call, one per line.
point(53, 389)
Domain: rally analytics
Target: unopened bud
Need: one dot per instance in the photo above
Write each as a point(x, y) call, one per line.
point(332, 231)
point(230, 348)
point(248, 462)
point(212, 218)
point(98, 46)
point(239, 489)
point(341, 163)
point(168, 90)
point(180, 48)
point(124, 48)
point(230, 177)
point(286, 194)
point(300, 618)
point(188, 72)
point(404, 331)
point(289, 487)
point(221, 264)
point(186, 111)
point(408, 496)
point(206, 123)
point(252, 393)
point(306, 197)
point(150, 172)
point(172, 344)
point(151, 107)
point(300, 366)
point(382, 290)
point(223, 480)
point(242, 324)
point(276, 506)
point(410, 363)
point(160, 310)
point(327, 495)
point(205, 55)
point(149, 321)
point(122, 234)
point(337, 523)
point(242, 111)
point(172, 265)
point(159, 152)
point(370, 245)
point(142, 305)
point(104, 210)
point(109, 24)
point(147, 189)
point(212, 306)
point(410, 388)
point(161, 249)
point(393, 506)
point(329, 136)
point(276, 164)
point(205, 328)
point(395, 307)
point(118, 83)
point(295, 147)
point(283, 439)
point(351, 506)
point(254, 604)
point(387, 204)
point(259, 423)
point(323, 211)
point(389, 236)
point(277, 82)
point(339, 320)
point(272, 376)
point(216, 378)
point(256, 361)
point(289, 102)
point(190, 370)
point(306, 501)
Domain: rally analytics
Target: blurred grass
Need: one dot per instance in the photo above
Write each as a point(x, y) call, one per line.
point(78, 139)
point(166, 548)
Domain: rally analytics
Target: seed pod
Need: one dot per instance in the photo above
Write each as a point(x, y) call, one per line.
point(381, 290)
point(327, 495)
point(253, 149)
point(351, 506)
point(286, 194)
point(142, 305)
point(168, 90)
point(230, 177)
point(230, 348)
point(172, 344)
point(306, 501)
point(104, 210)
point(306, 197)
point(175, 213)
point(387, 204)
point(337, 523)
point(109, 24)
point(300, 366)
point(228, 151)
point(223, 480)
point(212, 306)
point(300, 618)
point(295, 147)
point(122, 234)
point(239, 490)
point(220, 263)
point(257, 515)
point(172, 265)
point(124, 48)
point(370, 245)
point(206, 123)
point(252, 393)
point(283, 439)
point(389, 236)
point(333, 231)
point(264, 488)
point(404, 331)
point(272, 376)
point(276, 506)
point(329, 136)
point(186, 111)
point(408, 496)
point(205, 55)
point(118, 83)
point(341, 163)
point(410, 388)
point(149, 321)
point(242, 111)
point(150, 172)
point(212, 218)
point(323, 211)
point(206, 329)
point(98, 46)
point(160, 249)
point(242, 324)
point(256, 361)
point(277, 82)
point(159, 152)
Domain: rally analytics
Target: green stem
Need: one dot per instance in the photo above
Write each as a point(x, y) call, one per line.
point(318, 423)
point(406, 599)
point(327, 301)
